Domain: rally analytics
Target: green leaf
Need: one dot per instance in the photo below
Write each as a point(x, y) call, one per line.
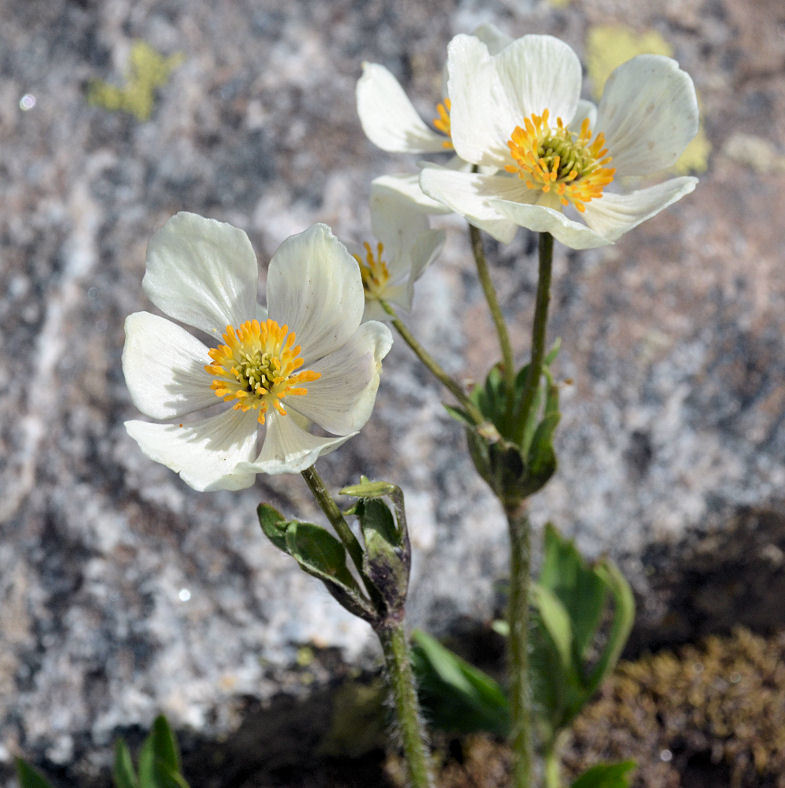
point(273, 525)
point(29, 777)
point(584, 591)
point(541, 460)
point(458, 697)
point(123, 772)
point(606, 775)
point(480, 453)
point(368, 489)
point(165, 744)
point(159, 759)
point(459, 414)
point(147, 773)
point(541, 457)
point(556, 620)
point(378, 525)
point(534, 410)
point(623, 619)
point(319, 553)
point(551, 393)
point(577, 584)
point(387, 556)
point(552, 353)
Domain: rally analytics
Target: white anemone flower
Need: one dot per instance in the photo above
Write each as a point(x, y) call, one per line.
point(559, 159)
point(405, 246)
point(305, 359)
point(388, 117)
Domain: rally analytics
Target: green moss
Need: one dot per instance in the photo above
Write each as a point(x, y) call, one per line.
point(608, 46)
point(148, 70)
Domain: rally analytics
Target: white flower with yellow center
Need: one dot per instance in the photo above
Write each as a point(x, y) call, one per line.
point(391, 122)
point(306, 359)
point(558, 160)
point(404, 247)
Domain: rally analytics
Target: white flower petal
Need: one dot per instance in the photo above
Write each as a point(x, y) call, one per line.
point(374, 311)
point(612, 215)
point(586, 109)
point(648, 113)
point(481, 120)
point(408, 186)
point(342, 399)
point(399, 296)
point(388, 118)
point(492, 37)
point(314, 286)
point(539, 73)
point(164, 367)
point(206, 453)
point(288, 448)
point(202, 272)
point(474, 196)
point(395, 221)
point(491, 95)
point(426, 248)
point(542, 219)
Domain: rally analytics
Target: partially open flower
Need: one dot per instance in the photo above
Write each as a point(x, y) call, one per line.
point(306, 359)
point(389, 119)
point(404, 247)
point(558, 159)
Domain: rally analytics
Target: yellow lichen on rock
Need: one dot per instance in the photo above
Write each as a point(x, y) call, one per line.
point(148, 71)
point(608, 46)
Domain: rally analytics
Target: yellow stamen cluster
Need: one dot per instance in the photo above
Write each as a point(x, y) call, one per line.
point(256, 367)
point(374, 271)
point(442, 123)
point(570, 164)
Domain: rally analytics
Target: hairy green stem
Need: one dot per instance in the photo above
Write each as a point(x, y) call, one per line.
point(518, 644)
point(330, 508)
point(552, 765)
point(392, 636)
point(433, 366)
point(401, 682)
point(539, 327)
point(484, 276)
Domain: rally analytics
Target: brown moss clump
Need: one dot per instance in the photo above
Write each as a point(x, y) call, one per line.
point(699, 716)
point(705, 714)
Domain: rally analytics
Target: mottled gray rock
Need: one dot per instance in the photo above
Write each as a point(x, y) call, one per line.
point(122, 592)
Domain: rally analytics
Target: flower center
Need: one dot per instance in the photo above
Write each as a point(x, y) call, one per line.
point(374, 271)
point(559, 159)
point(256, 367)
point(442, 123)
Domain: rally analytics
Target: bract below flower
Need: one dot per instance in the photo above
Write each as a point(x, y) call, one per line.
point(557, 158)
point(304, 359)
point(405, 246)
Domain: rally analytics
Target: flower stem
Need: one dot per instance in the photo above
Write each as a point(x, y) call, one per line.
point(392, 636)
point(330, 508)
point(552, 766)
point(484, 276)
point(539, 327)
point(517, 642)
point(433, 366)
point(401, 682)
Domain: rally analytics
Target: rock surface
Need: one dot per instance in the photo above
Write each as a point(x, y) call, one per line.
point(124, 593)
